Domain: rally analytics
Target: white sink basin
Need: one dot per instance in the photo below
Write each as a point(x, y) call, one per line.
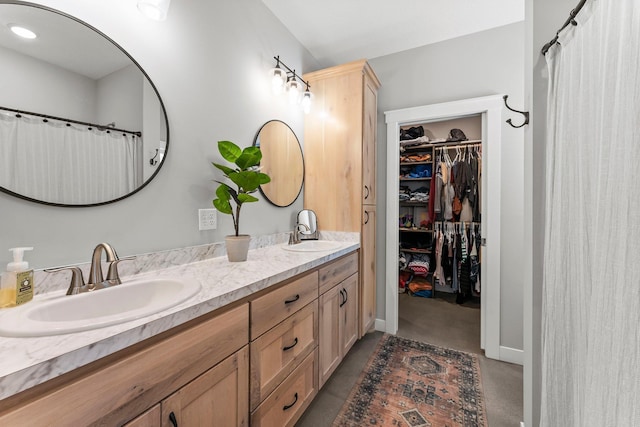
point(57, 313)
point(313, 246)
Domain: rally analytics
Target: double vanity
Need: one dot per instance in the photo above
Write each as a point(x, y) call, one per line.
point(242, 344)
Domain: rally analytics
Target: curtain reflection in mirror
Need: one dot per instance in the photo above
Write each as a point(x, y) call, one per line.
point(59, 162)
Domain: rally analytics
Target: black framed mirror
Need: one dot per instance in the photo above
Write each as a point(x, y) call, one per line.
point(81, 123)
point(282, 160)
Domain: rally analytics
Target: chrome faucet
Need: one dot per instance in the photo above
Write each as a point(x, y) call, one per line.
point(95, 274)
point(294, 238)
point(96, 278)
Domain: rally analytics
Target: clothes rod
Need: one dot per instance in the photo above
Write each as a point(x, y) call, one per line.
point(45, 117)
point(571, 20)
point(473, 144)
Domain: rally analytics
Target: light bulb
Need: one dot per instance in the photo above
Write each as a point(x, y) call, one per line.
point(277, 80)
point(293, 90)
point(305, 103)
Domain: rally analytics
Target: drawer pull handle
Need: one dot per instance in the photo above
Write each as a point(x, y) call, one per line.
point(172, 418)
point(297, 297)
point(295, 400)
point(366, 188)
point(366, 221)
point(343, 293)
point(289, 347)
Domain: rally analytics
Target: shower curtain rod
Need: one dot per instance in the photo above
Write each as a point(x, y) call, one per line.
point(571, 20)
point(45, 117)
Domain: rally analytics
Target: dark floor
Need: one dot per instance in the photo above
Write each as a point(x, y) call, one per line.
point(439, 321)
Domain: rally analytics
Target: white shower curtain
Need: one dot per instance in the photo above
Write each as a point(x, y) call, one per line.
point(70, 164)
point(591, 291)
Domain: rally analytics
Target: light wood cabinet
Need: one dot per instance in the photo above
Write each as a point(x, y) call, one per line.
point(120, 387)
point(368, 270)
point(340, 161)
point(338, 313)
point(284, 346)
point(216, 398)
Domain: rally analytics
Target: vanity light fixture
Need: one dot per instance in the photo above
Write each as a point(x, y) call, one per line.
point(288, 80)
point(22, 31)
point(154, 9)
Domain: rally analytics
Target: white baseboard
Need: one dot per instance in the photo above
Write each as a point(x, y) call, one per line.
point(511, 355)
point(380, 325)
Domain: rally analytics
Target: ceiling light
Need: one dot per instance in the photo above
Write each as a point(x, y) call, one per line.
point(22, 32)
point(154, 9)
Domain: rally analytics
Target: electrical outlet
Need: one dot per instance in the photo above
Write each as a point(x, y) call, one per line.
point(207, 219)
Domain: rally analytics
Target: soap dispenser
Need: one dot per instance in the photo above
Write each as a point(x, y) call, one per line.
point(17, 282)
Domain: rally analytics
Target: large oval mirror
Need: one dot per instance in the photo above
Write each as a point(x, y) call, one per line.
point(81, 124)
point(282, 160)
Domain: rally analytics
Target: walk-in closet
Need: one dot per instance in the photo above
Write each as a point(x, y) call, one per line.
point(439, 223)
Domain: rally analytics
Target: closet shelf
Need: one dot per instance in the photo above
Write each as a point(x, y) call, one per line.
point(414, 179)
point(415, 230)
point(414, 163)
point(414, 203)
point(416, 251)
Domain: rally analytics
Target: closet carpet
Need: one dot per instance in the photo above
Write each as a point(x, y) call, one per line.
point(441, 322)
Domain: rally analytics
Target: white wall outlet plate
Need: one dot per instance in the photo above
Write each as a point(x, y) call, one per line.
point(207, 219)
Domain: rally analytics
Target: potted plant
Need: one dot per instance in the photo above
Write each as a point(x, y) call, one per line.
point(246, 176)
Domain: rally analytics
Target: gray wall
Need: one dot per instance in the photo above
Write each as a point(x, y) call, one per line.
point(544, 18)
point(47, 84)
point(486, 63)
point(209, 61)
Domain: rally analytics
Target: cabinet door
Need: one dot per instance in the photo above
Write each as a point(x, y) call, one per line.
point(368, 270)
point(369, 129)
point(349, 313)
point(330, 343)
point(219, 397)
point(151, 418)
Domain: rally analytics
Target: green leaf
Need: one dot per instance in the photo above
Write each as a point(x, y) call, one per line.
point(250, 156)
point(226, 169)
point(263, 178)
point(229, 151)
point(246, 198)
point(247, 180)
point(222, 206)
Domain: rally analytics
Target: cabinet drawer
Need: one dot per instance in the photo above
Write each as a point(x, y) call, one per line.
point(275, 354)
point(286, 404)
point(129, 384)
point(272, 308)
point(337, 271)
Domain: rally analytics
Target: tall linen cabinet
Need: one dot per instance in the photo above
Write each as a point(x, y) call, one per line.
point(340, 164)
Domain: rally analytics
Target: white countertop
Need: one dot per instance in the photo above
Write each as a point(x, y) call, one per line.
point(27, 362)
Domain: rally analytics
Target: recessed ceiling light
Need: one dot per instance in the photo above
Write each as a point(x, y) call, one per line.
point(22, 32)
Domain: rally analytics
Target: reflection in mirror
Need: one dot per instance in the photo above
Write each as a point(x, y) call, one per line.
point(79, 119)
point(282, 160)
point(308, 218)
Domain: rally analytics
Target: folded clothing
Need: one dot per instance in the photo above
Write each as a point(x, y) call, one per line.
point(420, 284)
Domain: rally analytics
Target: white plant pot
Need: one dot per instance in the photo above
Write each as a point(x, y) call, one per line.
point(237, 247)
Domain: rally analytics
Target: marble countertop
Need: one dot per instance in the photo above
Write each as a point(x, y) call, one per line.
point(27, 362)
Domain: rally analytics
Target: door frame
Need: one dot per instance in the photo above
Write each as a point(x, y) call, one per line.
point(490, 108)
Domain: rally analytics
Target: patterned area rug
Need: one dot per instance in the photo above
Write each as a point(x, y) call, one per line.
point(411, 384)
